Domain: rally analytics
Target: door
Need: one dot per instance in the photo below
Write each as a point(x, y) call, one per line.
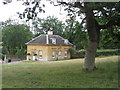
point(33, 56)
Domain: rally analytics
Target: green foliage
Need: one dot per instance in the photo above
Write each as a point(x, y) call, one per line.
point(101, 52)
point(106, 14)
point(106, 11)
point(21, 52)
point(73, 52)
point(110, 38)
point(6, 23)
point(71, 30)
point(59, 75)
point(75, 33)
point(43, 25)
point(14, 39)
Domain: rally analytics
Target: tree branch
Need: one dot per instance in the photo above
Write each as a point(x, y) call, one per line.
point(76, 5)
point(83, 20)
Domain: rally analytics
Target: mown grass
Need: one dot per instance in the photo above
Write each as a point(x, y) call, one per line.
point(59, 75)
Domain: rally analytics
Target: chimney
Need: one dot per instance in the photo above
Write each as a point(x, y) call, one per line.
point(50, 32)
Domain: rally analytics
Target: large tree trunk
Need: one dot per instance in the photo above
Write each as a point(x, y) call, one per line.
point(93, 33)
point(89, 63)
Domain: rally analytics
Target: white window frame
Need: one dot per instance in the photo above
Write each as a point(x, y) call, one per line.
point(59, 53)
point(53, 54)
point(65, 41)
point(53, 40)
point(40, 53)
point(65, 53)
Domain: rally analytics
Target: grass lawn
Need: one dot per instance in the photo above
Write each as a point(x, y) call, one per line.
point(60, 74)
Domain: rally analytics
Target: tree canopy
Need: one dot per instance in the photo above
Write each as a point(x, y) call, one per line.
point(43, 25)
point(14, 39)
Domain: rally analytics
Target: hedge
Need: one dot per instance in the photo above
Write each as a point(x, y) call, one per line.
point(81, 53)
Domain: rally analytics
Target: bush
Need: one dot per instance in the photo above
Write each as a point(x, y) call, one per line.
point(104, 52)
point(73, 52)
point(20, 52)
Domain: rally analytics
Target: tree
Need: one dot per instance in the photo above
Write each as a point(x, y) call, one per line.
point(95, 16)
point(43, 25)
point(110, 38)
point(70, 30)
point(98, 16)
point(74, 32)
point(14, 39)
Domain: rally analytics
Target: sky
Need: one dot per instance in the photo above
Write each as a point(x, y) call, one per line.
point(9, 11)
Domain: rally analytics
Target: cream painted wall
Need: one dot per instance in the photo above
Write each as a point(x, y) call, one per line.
point(47, 51)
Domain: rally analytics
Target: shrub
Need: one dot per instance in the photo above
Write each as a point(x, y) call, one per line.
point(104, 52)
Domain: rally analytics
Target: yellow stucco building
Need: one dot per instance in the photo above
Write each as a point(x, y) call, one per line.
point(47, 47)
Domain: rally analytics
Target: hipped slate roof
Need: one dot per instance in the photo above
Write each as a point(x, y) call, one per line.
point(47, 40)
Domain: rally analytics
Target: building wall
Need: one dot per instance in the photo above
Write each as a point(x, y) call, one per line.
point(47, 52)
point(57, 49)
point(35, 49)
